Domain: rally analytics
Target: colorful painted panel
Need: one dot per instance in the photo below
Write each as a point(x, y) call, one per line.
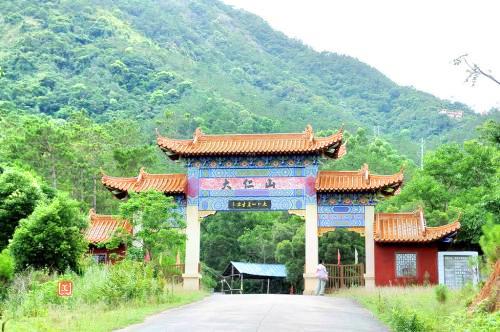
point(246, 162)
point(347, 199)
point(341, 216)
point(285, 187)
point(180, 202)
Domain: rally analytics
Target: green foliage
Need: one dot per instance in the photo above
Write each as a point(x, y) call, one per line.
point(379, 154)
point(490, 240)
point(156, 222)
point(292, 254)
point(51, 237)
point(128, 280)
point(6, 271)
point(457, 179)
point(69, 153)
point(127, 56)
point(344, 241)
point(406, 320)
point(115, 291)
point(441, 292)
point(476, 322)
point(418, 308)
point(210, 277)
point(20, 192)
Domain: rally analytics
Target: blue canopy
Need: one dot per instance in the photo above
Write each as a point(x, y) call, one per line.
point(254, 270)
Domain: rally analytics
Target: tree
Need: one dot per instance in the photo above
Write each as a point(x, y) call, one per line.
point(473, 70)
point(457, 179)
point(344, 241)
point(51, 237)
point(292, 254)
point(490, 241)
point(156, 224)
point(258, 245)
point(20, 192)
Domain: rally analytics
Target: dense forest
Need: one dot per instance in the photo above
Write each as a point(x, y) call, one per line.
point(84, 83)
point(178, 65)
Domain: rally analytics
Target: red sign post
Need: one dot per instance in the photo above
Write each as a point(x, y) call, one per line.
point(65, 288)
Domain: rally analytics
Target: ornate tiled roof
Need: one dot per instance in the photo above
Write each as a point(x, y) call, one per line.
point(167, 183)
point(362, 180)
point(253, 144)
point(102, 227)
point(409, 227)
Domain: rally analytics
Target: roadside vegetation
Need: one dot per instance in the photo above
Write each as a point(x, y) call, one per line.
point(105, 297)
point(43, 243)
point(419, 309)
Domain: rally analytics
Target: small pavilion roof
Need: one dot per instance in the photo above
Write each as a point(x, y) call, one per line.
point(167, 183)
point(102, 227)
point(362, 180)
point(257, 271)
point(252, 144)
point(409, 227)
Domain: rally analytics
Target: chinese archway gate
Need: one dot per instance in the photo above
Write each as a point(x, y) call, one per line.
point(271, 172)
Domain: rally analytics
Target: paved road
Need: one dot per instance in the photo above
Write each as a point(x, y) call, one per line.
point(263, 313)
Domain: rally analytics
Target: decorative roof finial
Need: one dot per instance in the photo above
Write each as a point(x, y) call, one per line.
point(142, 172)
point(157, 132)
point(365, 172)
point(341, 129)
point(92, 212)
point(308, 133)
point(342, 150)
point(197, 134)
point(102, 172)
point(420, 212)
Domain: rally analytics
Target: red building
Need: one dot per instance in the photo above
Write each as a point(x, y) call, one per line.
point(101, 229)
point(406, 250)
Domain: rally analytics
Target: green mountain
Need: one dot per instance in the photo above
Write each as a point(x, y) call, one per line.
point(178, 65)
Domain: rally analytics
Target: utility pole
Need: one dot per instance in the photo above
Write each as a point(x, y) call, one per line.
point(422, 153)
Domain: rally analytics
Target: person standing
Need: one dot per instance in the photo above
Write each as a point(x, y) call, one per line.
point(322, 276)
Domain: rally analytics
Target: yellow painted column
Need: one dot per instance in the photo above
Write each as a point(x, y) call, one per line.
point(191, 276)
point(369, 247)
point(311, 244)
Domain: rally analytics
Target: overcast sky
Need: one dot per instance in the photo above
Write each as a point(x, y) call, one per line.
point(412, 42)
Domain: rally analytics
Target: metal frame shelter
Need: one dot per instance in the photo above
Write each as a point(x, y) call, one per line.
point(253, 271)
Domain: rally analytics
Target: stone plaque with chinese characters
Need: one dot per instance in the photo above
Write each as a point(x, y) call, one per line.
point(249, 205)
point(457, 271)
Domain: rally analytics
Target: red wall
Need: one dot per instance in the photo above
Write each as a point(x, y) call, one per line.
point(385, 263)
point(120, 251)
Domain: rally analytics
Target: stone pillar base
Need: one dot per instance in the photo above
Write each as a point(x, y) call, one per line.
point(369, 281)
point(310, 283)
point(191, 282)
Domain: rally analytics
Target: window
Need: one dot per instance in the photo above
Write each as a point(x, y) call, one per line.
point(99, 258)
point(406, 265)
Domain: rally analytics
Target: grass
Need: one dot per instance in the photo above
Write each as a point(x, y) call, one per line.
point(105, 297)
point(418, 309)
point(98, 317)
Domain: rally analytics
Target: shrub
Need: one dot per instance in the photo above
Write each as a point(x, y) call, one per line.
point(405, 320)
point(6, 271)
point(209, 280)
point(476, 322)
point(128, 280)
point(6, 267)
point(441, 292)
point(19, 195)
point(50, 237)
point(30, 292)
point(490, 240)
